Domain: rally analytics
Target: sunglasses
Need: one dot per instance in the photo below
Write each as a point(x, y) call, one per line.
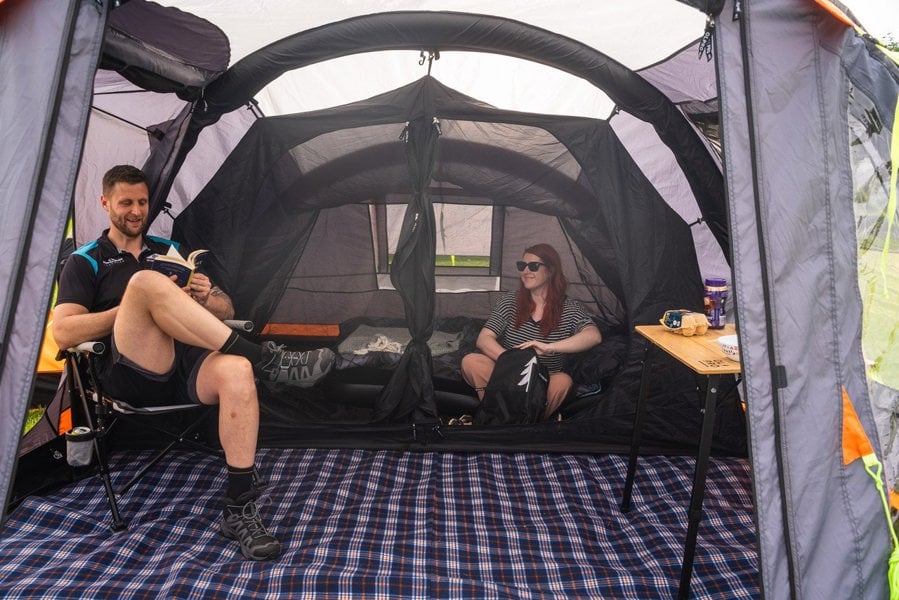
point(533, 266)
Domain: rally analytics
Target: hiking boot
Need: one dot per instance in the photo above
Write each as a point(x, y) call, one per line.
point(242, 522)
point(302, 369)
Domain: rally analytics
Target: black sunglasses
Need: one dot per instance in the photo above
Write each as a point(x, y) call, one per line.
point(533, 266)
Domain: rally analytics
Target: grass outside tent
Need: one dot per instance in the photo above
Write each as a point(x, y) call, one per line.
point(879, 283)
point(34, 415)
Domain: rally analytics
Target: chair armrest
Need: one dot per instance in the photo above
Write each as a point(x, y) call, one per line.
point(91, 347)
point(239, 325)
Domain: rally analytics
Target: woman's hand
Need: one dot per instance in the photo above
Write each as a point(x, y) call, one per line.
point(584, 339)
point(541, 348)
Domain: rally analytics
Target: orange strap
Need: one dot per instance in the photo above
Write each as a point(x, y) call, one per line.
point(836, 13)
point(855, 440)
point(301, 330)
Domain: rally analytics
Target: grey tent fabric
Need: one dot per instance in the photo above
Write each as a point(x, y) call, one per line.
point(39, 157)
point(798, 301)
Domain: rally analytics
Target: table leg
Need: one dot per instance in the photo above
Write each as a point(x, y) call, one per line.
point(699, 475)
point(637, 431)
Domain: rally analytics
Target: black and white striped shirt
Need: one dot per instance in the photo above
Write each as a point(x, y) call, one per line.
point(502, 323)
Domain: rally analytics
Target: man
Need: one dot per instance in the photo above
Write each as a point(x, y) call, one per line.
point(168, 342)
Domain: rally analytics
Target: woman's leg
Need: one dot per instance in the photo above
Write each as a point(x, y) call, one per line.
point(560, 385)
point(476, 371)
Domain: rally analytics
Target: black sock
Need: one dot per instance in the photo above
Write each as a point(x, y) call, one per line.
point(241, 346)
point(240, 483)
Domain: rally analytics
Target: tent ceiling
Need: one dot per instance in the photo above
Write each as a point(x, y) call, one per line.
point(643, 27)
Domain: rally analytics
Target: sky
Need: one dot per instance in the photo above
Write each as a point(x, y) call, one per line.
point(878, 17)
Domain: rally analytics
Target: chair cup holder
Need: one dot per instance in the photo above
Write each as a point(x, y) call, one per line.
point(79, 446)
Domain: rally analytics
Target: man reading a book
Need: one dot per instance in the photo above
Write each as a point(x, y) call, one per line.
point(170, 343)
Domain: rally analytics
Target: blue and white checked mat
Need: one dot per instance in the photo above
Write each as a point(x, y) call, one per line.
point(364, 524)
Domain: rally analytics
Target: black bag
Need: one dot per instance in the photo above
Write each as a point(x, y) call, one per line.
point(516, 392)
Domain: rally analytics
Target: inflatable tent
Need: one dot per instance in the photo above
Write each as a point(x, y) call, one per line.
point(800, 104)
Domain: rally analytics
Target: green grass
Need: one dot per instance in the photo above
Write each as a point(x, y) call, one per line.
point(456, 260)
point(879, 284)
point(461, 260)
point(34, 415)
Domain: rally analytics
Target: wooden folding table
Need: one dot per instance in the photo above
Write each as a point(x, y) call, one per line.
point(703, 355)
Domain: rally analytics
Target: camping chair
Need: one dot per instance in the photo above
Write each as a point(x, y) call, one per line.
point(101, 413)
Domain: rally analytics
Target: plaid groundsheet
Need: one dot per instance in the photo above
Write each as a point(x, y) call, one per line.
point(378, 524)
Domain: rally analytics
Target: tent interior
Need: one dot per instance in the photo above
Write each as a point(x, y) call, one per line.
point(366, 181)
point(308, 215)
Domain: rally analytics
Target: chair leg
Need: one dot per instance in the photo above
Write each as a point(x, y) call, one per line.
point(77, 389)
point(118, 524)
point(143, 471)
point(182, 438)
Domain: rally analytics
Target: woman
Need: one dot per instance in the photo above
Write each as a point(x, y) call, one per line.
point(540, 316)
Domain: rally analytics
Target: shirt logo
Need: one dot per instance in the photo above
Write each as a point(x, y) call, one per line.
point(113, 261)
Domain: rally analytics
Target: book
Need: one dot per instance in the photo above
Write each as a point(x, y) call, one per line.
point(172, 263)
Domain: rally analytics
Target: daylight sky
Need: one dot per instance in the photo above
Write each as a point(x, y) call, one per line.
point(879, 17)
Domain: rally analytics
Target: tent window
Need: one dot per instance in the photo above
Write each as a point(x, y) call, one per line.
point(464, 235)
point(466, 252)
point(878, 254)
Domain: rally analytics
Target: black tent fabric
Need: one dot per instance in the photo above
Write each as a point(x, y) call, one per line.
point(155, 48)
point(409, 395)
point(258, 209)
point(460, 31)
point(289, 220)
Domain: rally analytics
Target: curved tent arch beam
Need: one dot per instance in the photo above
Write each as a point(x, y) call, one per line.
point(442, 31)
point(324, 182)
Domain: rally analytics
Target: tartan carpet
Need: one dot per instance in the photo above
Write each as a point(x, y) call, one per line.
point(385, 524)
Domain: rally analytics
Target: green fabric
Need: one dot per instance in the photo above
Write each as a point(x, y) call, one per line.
point(875, 469)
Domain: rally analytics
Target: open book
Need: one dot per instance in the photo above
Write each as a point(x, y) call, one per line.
point(172, 263)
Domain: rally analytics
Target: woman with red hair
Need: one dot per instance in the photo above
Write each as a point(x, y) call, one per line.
point(537, 315)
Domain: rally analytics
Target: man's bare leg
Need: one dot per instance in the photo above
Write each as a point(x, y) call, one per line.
point(153, 312)
point(228, 381)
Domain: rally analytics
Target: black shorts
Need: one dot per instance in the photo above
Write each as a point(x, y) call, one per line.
point(124, 380)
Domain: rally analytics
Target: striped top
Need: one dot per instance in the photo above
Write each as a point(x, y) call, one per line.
point(502, 323)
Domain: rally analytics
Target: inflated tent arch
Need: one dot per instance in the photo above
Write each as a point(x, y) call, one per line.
point(466, 32)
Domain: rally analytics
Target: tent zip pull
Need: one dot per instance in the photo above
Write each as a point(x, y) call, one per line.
point(738, 10)
point(404, 134)
point(705, 44)
point(436, 124)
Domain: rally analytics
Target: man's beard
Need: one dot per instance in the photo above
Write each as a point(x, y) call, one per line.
point(122, 226)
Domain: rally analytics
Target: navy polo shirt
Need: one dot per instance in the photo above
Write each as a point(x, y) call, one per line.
point(96, 274)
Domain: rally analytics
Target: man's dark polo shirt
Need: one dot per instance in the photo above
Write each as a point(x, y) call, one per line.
point(96, 274)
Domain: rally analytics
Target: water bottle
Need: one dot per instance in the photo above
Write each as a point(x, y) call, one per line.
point(715, 300)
